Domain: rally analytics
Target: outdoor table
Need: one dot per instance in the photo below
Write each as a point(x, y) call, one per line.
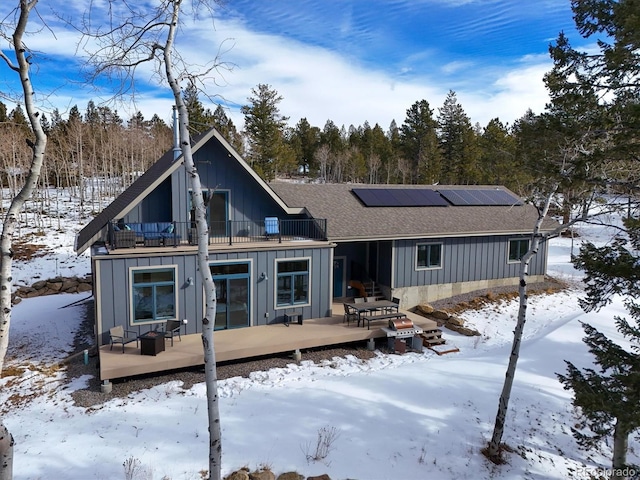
point(151, 343)
point(365, 307)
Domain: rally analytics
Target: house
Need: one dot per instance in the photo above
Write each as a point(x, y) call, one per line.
point(276, 248)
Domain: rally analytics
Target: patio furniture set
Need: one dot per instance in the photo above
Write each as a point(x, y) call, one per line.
point(367, 310)
point(151, 342)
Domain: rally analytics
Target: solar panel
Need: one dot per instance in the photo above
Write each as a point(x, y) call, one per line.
point(366, 196)
point(399, 197)
point(479, 197)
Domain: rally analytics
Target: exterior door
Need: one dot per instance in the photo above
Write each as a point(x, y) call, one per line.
point(339, 277)
point(232, 291)
point(218, 213)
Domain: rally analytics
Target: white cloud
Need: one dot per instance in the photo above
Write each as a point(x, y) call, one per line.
point(322, 84)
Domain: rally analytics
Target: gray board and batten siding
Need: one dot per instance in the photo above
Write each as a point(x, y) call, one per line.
point(218, 172)
point(112, 279)
point(464, 259)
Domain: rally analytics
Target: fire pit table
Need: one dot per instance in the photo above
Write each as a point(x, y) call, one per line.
point(151, 343)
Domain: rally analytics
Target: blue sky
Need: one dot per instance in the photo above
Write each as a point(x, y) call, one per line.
point(347, 61)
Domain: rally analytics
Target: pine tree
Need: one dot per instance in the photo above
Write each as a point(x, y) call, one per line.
point(419, 143)
point(608, 396)
point(305, 140)
point(227, 129)
point(457, 142)
point(264, 126)
point(200, 119)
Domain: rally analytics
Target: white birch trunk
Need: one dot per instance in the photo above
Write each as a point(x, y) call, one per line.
point(11, 217)
point(208, 322)
point(493, 450)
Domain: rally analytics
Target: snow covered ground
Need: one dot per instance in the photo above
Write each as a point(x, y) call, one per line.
point(411, 416)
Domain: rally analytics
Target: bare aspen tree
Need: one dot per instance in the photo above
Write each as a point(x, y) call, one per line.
point(131, 36)
point(569, 164)
point(21, 67)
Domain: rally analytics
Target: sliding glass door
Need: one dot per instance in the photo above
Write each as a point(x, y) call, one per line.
point(233, 294)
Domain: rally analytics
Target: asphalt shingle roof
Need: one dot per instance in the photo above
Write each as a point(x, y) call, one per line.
point(348, 218)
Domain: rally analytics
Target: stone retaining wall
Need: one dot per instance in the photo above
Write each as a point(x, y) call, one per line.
point(53, 286)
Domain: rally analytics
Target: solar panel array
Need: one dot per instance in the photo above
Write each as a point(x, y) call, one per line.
point(426, 197)
point(399, 197)
point(480, 197)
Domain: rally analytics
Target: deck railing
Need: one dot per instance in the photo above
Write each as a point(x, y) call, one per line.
point(155, 234)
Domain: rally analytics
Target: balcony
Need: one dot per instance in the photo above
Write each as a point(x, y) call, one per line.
point(174, 234)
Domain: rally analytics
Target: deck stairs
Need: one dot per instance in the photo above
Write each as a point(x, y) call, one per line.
point(432, 339)
point(372, 289)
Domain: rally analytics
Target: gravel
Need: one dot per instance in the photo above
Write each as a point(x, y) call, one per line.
point(91, 396)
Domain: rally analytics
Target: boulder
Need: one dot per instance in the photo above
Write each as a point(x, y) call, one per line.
point(468, 332)
point(457, 321)
point(262, 475)
point(54, 286)
point(440, 314)
point(39, 285)
point(324, 476)
point(238, 475)
point(290, 476)
point(69, 285)
point(425, 308)
point(84, 287)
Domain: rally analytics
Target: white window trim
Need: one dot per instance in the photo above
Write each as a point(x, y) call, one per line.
point(526, 239)
point(275, 283)
point(130, 293)
point(439, 267)
point(251, 282)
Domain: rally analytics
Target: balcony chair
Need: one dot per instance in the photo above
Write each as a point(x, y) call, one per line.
point(271, 227)
point(119, 336)
point(171, 329)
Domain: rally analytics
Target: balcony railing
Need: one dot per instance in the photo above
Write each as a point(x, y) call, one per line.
point(157, 234)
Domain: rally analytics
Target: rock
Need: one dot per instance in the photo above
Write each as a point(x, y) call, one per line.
point(17, 300)
point(238, 475)
point(84, 287)
point(262, 475)
point(39, 284)
point(468, 332)
point(69, 285)
point(324, 476)
point(457, 321)
point(290, 476)
point(440, 314)
point(425, 308)
point(54, 286)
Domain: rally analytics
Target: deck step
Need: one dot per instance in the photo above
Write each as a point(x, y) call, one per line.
point(432, 337)
point(444, 349)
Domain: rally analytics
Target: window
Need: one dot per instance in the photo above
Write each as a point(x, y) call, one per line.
point(293, 282)
point(153, 294)
point(517, 249)
point(429, 255)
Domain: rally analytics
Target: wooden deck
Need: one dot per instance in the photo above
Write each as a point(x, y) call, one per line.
point(243, 343)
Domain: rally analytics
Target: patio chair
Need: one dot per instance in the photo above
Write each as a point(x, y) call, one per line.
point(119, 336)
point(349, 314)
point(395, 300)
point(171, 329)
point(271, 227)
